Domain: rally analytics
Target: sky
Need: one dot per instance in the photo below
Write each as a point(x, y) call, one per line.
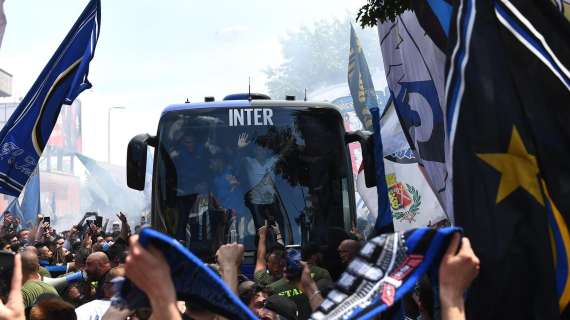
point(152, 54)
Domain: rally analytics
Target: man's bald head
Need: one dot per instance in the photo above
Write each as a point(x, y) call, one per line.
point(96, 265)
point(348, 249)
point(99, 257)
point(30, 262)
point(31, 249)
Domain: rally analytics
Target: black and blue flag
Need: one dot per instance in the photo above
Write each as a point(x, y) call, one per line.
point(360, 82)
point(508, 89)
point(24, 137)
point(365, 104)
point(193, 280)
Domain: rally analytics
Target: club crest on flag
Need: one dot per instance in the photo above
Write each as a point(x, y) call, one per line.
point(415, 71)
point(405, 199)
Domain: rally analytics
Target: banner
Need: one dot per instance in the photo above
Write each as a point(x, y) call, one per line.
point(387, 268)
point(415, 69)
point(24, 137)
point(412, 202)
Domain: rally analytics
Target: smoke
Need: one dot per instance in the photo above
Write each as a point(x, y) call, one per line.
point(105, 191)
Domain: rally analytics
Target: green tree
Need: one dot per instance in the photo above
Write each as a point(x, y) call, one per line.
point(382, 10)
point(316, 56)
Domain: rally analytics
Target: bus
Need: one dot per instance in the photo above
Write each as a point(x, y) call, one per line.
point(223, 169)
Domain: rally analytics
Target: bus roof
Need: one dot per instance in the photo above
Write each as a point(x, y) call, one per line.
point(247, 103)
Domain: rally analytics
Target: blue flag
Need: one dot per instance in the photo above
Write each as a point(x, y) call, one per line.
point(15, 209)
point(23, 138)
point(360, 82)
point(193, 280)
point(366, 107)
point(31, 205)
point(109, 194)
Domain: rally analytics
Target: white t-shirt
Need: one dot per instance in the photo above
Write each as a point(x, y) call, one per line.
point(261, 177)
point(93, 310)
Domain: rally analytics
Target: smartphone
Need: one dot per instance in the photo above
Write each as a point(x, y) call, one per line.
point(294, 268)
point(6, 271)
point(99, 221)
point(271, 222)
point(46, 219)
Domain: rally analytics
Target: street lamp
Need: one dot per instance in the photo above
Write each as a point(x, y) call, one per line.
point(109, 132)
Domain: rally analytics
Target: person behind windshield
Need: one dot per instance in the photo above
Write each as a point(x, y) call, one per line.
point(261, 197)
point(192, 187)
point(228, 194)
point(191, 156)
point(225, 183)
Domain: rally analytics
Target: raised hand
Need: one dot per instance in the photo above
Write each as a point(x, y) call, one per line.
point(122, 217)
point(309, 287)
point(459, 267)
point(242, 140)
point(262, 232)
point(354, 231)
point(14, 307)
point(230, 254)
point(229, 257)
point(149, 270)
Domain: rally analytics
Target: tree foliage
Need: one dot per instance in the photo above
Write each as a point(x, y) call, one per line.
point(381, 10)
point(316, 56)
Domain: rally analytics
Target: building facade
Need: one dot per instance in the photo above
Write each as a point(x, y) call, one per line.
point(59, 184)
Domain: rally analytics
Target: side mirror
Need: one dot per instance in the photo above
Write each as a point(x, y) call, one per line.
point(367, 146)
point(136, 160)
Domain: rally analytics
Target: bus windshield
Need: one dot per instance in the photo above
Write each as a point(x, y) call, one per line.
point(222, 173)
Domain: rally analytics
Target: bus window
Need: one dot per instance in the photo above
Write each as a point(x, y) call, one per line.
point(223, 178)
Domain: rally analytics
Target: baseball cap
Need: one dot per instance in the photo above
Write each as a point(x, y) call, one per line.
point(284, 307)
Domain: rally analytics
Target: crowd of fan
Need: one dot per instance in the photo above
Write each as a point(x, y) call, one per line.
point(69, 275)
